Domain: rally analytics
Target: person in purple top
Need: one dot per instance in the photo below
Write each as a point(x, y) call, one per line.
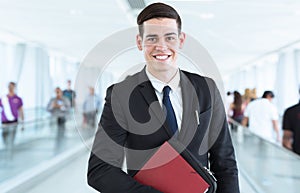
point(12, 105)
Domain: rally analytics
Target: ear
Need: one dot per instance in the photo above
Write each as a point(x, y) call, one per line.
point(139, 42)
point(181, 39)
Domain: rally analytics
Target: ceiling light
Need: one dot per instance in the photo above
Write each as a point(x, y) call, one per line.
point(203, 15)
point(75, 12)
point(206, 15)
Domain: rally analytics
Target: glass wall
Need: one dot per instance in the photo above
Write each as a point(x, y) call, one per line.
point(278, 71)
point(36, 70)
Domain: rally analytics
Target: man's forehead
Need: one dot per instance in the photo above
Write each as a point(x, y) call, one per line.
point(160, 30)
point(160, 24)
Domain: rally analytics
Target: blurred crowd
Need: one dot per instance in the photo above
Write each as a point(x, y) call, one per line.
point(261, 116)
point(59, 106)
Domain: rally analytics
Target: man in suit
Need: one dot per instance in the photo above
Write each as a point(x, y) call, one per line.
point(159, 104)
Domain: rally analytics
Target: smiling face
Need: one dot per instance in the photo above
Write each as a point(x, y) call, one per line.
point(160, 43)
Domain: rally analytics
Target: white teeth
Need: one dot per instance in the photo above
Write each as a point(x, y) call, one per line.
point(161, 57)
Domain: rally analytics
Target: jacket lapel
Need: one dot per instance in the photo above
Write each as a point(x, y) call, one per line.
point(190, 115)
point(147, 91)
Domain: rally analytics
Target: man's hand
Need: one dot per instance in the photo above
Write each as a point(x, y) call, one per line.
point(56, 105)
point(276, 129)
point(278, 138)
point(287, 139)
point(245, 121)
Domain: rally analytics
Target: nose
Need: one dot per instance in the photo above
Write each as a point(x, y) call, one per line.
point(161, 45)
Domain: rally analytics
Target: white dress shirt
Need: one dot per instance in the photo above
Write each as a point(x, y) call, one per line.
point(175, 93)
point(261, 113)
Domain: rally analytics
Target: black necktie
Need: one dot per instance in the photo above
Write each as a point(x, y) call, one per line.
point(171, 118)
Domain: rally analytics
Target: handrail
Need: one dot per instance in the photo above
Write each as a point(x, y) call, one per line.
point(38, 120)
point(273, 144)
point(45, 118)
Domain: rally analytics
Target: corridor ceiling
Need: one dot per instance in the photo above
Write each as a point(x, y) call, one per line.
point(233, 31)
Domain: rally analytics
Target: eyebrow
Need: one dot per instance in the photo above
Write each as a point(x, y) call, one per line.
point(151, 36)
point(167, 34)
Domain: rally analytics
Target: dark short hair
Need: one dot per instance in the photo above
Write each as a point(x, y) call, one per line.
point(158, 10)
point(12, 83)
point(268, 93)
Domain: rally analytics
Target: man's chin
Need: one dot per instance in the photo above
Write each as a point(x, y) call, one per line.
point(162, 66)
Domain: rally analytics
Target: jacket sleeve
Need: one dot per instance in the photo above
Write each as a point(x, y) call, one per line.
point(222, 156)
point(104, 168)
point(49, 106)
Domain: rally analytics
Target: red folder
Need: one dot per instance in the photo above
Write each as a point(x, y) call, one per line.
point(168, 172)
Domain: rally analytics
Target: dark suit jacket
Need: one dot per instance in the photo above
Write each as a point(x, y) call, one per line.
point(132, 124)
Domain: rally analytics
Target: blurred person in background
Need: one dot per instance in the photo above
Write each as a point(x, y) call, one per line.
point(59, 106)
point(291, 128)
point(70, 94)
point(229, 100)
point(0, 116)
point(247, 96)
point(262, 116)
point(237, 108)
point(91, 107)
point(253, 95)
point(12, 106)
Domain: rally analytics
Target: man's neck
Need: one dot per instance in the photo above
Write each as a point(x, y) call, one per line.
point(164, 76)
point(269, 99)
point(11, 94)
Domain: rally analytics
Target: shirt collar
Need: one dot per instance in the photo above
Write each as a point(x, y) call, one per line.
point(159, 85)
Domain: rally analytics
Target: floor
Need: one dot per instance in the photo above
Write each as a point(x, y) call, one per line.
point(72, 179)
point(23, 148)
point(74, 176)
point(263, 167)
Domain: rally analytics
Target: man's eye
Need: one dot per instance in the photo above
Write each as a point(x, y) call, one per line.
point(151, 39)
point(171, 38)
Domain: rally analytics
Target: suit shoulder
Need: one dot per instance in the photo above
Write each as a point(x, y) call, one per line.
point(129, 80)
point(199, 79)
